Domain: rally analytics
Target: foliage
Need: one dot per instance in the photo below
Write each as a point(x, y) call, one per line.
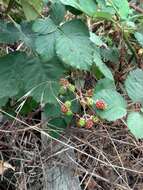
point(58, 54)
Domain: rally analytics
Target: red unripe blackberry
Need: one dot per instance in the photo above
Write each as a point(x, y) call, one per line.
point(64, 109)
point(100, 104)
point(64, 82)
point(89, 124)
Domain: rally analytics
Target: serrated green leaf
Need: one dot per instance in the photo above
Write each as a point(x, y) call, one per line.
point(134, 85)
point(135, 124)
point(73, 46)
point(101, 66)
point(41, 79)
point(139, 37)
point(116, 105)
point(105, 83)
point(89, 7)
point(32, 9)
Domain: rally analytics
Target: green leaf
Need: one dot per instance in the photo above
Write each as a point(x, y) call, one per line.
point(116, 105)
point(57, 12)
point(10, 74)
point(56, 126)
point(110, 54)
point(8, 32)
point(135, 124)
point(139, 38)
point(13, 32)
point(52, 110)
point(41, 79)
point(134, 85)
point(89, 7)
point(103, 15)
point(96, 39)
point(102, 67)
point(45, 42)
point(73, 46)
point(73, 10)
point(27, 35)
point(29, 106)
point(3, 101)
point(45, 46)
point(44, 26)
point(103, 84)
point(121, 7)
point(32, 9)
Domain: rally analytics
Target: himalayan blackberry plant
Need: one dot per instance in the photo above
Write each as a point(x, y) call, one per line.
point(80, 61)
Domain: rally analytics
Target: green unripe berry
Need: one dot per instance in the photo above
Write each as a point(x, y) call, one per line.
point(62, 90)
point(71, 87)
point(81, 122)
point(69, 113)
point(68, 104)
point(90, 101)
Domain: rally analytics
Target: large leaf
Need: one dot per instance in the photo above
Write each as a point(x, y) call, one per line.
point(73, 46)
point(89, 7)
point(45, 41)
point(41, 79)
point(134, 85)
point(32, 9)
point(13, 32)
point(10, 74)
point(38, 79)
point(101, 66)
point(135, 124)
point(116, 105)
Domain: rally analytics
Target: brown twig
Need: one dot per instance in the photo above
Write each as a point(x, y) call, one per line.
point(136, 8)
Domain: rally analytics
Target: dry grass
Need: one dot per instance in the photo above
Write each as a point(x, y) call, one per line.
point(107, 157)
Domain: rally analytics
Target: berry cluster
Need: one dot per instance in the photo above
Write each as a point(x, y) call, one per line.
point(87, 122)
point(66, 85)
point(66, 108)
point(88, 118)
